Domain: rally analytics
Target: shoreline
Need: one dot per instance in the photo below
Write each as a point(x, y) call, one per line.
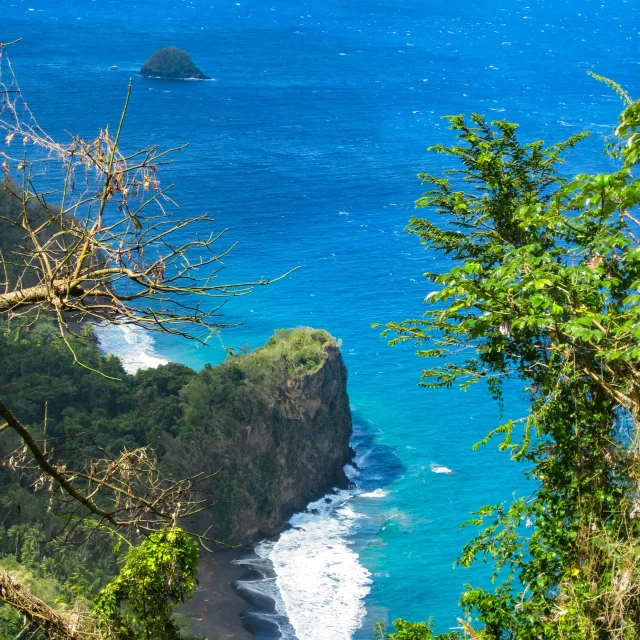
point(216, 609)
point(224, 606)
point(237, 597)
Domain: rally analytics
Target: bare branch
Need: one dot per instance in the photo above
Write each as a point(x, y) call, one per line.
point(112, 251)
point(56, 625)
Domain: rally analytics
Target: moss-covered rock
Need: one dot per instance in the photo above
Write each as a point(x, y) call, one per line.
point(171, 62)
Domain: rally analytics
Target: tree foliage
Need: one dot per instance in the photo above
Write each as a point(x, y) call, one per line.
point(156, 575)
point(543, 289)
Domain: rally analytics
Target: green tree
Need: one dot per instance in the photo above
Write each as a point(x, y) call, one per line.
point(544, 284)
point(157, 574)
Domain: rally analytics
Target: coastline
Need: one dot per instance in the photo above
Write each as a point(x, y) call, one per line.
point(216, 610)
point(225, 605)
point(241, 594)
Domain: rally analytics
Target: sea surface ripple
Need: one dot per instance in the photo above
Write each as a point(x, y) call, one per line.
point(306, 148)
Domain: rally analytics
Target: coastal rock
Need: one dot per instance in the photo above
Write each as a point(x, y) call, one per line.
point(173, 63)
point(289, 441)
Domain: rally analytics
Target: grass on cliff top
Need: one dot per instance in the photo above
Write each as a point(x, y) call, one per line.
point(302, 351)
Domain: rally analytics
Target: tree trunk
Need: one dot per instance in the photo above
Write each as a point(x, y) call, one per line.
point(53, 624)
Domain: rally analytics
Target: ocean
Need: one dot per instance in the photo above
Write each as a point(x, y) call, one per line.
point(305, 146)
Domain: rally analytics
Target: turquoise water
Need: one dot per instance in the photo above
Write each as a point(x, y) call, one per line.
point(306, 146)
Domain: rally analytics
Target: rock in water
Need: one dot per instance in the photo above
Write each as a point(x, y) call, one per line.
point(171, 62)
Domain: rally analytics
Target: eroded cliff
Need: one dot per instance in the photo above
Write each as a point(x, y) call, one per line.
point(273, 425)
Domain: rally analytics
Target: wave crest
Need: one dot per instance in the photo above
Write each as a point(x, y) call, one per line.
point(318, 574)
point(134, 346)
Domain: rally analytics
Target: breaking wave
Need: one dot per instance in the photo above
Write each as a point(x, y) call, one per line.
point(312, 572)
point(378, 493)
point(440, 468)
point(321, 582)
point(134, 346)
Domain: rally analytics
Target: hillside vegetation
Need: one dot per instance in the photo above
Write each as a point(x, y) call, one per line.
point(186, 417)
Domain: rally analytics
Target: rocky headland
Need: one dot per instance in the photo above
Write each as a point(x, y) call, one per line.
point(274, 425)
point(270, 430)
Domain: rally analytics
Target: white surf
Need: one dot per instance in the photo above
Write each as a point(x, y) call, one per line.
point(378, 493)
point(318, 574)
point(134, 346)
point(439, 468)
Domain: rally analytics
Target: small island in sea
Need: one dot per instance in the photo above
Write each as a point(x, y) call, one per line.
point(173, 63)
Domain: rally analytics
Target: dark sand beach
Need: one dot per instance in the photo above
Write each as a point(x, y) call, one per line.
point(216, 609)
point(222, 609)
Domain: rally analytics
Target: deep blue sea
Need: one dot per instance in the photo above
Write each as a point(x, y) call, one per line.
point(306, 147)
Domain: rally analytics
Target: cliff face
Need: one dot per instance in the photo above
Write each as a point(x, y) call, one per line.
point(306, 435)
point(275, 425)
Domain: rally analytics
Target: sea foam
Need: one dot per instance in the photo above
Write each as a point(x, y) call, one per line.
point(264, 588)
point(133, 345)
point(378, 493)
point(439, 468)
point(321, 582)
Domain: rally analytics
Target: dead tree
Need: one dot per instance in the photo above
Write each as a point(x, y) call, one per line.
point(111, 249)
point(105, 247)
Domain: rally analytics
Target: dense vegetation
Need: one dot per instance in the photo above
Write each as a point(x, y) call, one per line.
point(172, 408)
point(12, 238)
point(545, 286)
